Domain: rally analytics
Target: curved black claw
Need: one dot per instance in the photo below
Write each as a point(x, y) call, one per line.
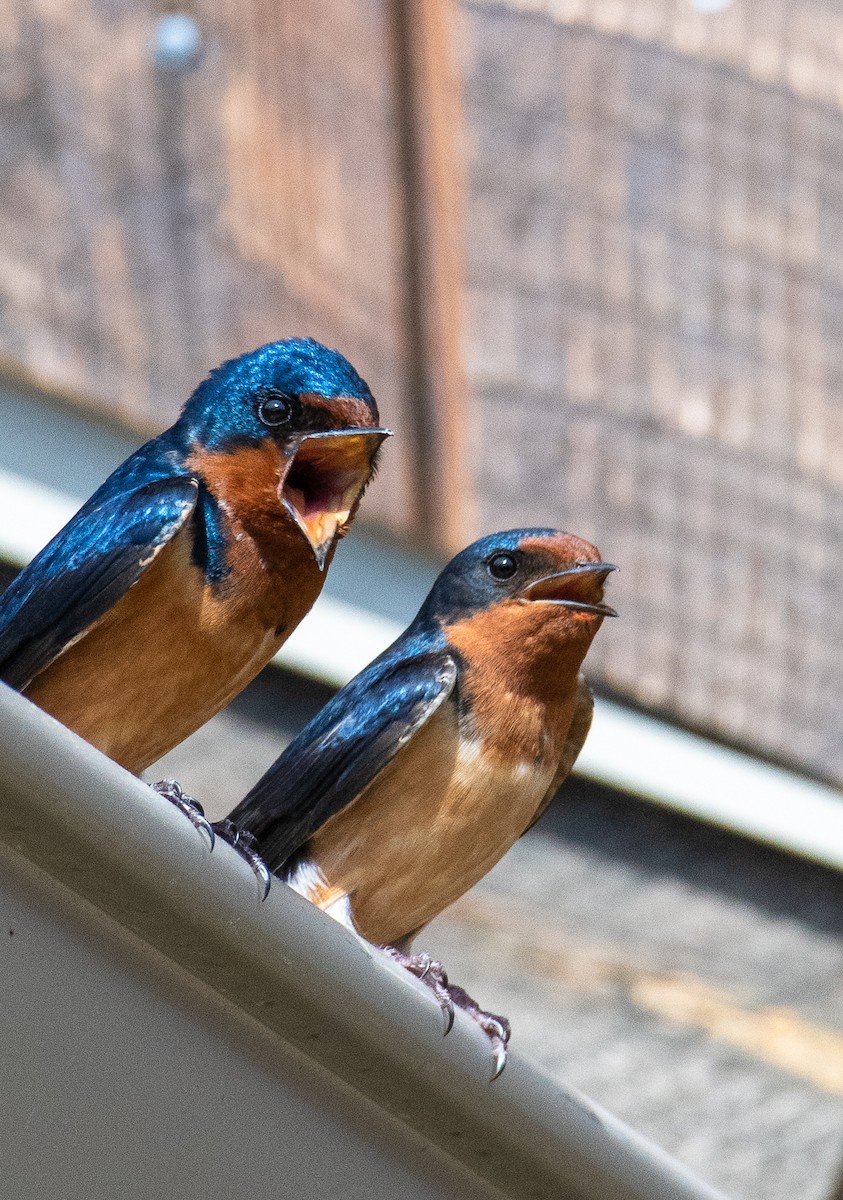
point(172, 790)
point(496, 1028)
point(432, 974)
point(246, 846)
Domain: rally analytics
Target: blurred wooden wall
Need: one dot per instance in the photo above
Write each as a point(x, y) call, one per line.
point(654, 338)
point(155, 222)
point(600, 290)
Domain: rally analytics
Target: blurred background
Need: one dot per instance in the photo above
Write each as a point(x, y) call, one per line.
point(589, 256)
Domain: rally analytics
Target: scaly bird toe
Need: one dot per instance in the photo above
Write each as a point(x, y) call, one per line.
point(450, 995)
point(496, 1028)
point(432, 974)
point(172, 790)
point(247, 847)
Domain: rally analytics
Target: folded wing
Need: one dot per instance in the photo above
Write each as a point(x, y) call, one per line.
point(344, 748)
point(84, 571)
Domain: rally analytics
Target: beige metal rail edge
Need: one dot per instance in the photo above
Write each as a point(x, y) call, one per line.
point(109, 840)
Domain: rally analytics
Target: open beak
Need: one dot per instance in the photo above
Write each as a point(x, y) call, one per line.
point(574, 588)
point(325, 480)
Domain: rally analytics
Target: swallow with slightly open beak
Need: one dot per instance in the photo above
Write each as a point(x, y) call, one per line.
point(418, 776)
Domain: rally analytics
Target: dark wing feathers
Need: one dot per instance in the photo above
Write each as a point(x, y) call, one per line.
point(84, 571)
point(341, 751)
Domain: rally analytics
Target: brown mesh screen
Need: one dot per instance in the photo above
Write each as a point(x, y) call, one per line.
point(154, 223)
point(654, 339)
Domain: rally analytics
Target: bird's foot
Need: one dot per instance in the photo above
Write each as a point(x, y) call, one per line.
point(432, 974)
point(172, 790)
point(449, 996)
point(246, 846)
point(496, 1028)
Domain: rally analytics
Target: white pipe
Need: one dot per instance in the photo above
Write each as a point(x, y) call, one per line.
point(30, 514)
point(638, 754)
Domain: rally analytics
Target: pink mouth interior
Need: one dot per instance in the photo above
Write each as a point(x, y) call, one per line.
point(585, 587)
point(313, 490)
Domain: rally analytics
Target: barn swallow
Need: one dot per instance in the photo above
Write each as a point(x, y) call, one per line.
point(194, 561)
point(418, 776)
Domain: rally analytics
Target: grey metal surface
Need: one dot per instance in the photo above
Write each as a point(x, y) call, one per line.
point(312, 987)
point(693, 986)
point(687, 979)
point(125, 1078)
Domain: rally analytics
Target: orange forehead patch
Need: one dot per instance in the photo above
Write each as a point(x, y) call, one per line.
point(564, 548)
point(345, 411)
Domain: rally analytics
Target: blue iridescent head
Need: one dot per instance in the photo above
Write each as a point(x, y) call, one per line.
point(524, 565)
point(279, 390)
point(312, 420)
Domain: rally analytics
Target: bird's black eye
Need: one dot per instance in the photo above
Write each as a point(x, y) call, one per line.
point(275, 410)
point(502, 566)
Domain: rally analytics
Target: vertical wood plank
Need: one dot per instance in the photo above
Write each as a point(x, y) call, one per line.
point(155, 223)
point(427, 88)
